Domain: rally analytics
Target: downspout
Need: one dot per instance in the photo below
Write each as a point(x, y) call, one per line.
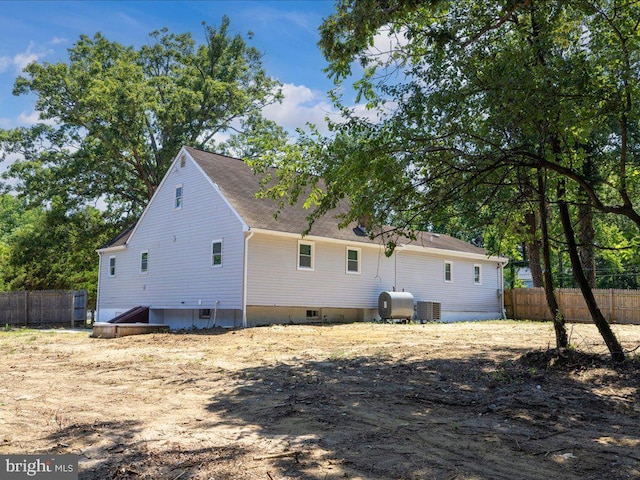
point(244, 279)
point(501, 266)
point(96, 317)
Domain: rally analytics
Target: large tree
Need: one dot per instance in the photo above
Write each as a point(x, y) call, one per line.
point(485, 110)
point(114, 116)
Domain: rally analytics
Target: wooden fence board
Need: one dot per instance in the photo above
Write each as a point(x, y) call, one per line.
point(43, 308)
point(617, 306)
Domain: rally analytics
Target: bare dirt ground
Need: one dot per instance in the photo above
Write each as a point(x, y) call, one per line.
point(362, 401)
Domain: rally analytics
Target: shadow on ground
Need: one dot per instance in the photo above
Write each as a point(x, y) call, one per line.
point(376, 417)
point(481, 418)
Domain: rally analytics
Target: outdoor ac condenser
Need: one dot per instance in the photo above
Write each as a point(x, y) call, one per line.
point(429, 311)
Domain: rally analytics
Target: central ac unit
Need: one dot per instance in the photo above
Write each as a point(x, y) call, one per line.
point(429, 311)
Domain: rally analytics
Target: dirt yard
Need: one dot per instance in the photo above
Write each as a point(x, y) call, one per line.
point(364, 401)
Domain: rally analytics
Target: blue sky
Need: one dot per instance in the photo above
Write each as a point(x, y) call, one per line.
point(285, 31)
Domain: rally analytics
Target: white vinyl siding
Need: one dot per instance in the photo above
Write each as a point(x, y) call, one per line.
point(353, 260)
point(421, 275)
point(181, 243)
point(306, 255)
point(270, 255)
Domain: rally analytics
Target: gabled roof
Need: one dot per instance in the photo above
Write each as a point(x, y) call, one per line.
point(237, 182)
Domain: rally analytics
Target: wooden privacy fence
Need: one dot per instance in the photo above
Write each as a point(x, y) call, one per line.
point(618, 306)
point(43, 308)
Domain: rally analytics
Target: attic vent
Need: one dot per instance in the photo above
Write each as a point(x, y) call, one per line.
point(183, 161)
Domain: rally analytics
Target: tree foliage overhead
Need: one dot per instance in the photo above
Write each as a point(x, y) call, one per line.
point(484, 112)
point(115, 116)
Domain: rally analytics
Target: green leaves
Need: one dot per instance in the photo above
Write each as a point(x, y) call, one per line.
point(117, 115)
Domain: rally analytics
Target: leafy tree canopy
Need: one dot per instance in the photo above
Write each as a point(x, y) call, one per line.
point(114, 116)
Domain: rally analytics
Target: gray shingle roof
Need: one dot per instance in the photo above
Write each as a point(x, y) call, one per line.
point(239, 185)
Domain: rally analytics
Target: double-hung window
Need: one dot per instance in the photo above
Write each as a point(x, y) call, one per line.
point(448, 272)
point(216, 253)
point(178, 198)
point(112, 266)
point(477, 274)
point(305, 255)
point(144, 262)
point(353, 260)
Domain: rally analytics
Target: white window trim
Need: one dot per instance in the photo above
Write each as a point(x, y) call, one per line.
point(479, 267)
point(346, 267)
point(112, 273)
point(313, 255)
point(218, 240)
point(444, 273)
point(175, 197)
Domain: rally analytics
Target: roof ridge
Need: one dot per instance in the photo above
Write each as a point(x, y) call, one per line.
point(214, 153)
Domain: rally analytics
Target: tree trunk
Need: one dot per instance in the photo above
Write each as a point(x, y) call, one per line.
point(533, 249)
point(586, 237)
point(586, 232)
point(562, 340)
point(617, 354)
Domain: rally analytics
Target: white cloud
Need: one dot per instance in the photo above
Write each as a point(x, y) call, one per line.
point(385, 43)
point(29, 118)
point(58, 40)
point(300, 106)
point(6, 163)
point(20, 60)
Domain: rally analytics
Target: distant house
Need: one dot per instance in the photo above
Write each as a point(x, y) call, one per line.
point(206, 251)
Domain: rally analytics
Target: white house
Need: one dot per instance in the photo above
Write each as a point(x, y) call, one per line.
point(206, 251)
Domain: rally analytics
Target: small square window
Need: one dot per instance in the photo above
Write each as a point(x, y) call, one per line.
point(144, 262)
point(178, 199)
point(305, 256)
point(313, 314)
point(204, 313)
point(216, 253)
point(112, 266)
point(448, 272)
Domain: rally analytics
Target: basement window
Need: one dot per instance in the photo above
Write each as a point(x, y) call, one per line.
point(313, 314)
point(204, 313)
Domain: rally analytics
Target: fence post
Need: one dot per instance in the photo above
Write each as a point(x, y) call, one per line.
point(513, 303)
point(73, 308)
point(26, 308)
